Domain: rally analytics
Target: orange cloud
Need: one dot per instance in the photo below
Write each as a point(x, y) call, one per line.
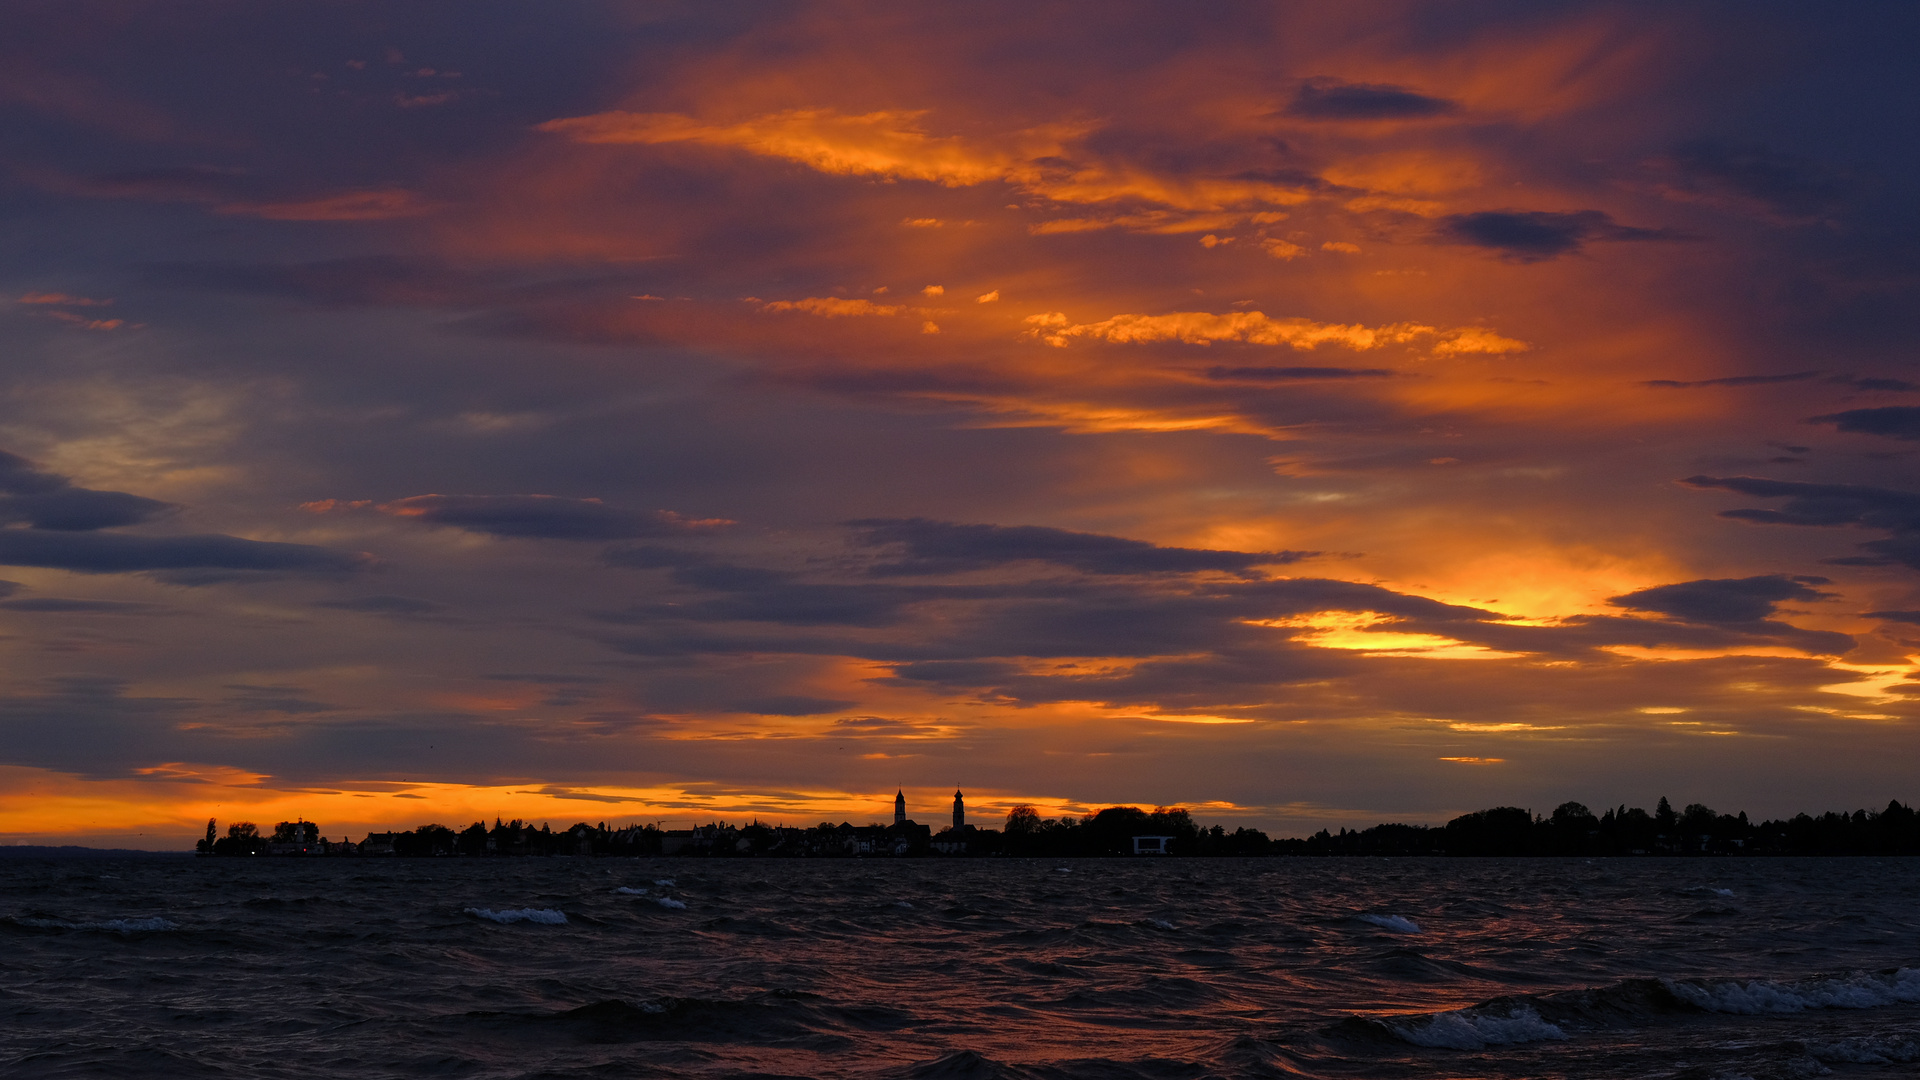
point(1256, 328)
point(887, 143)
point(1157, 222)
point(893, 144)
point(833, 307)
point(86, 323)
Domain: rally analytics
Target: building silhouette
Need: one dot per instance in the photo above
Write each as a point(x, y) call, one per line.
point(900, 807)
point(959, 811)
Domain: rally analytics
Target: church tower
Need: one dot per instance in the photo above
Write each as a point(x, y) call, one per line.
point(959, 811)
point(900, 807)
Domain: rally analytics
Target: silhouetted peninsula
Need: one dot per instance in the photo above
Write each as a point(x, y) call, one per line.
point(1571, 830)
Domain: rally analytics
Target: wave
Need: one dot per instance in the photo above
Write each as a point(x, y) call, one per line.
point(543, 916)
point(116, 926)
point(670, 902)
point(665, 882)
point(968, 1065)
point(1853, 990)
point(1411, 965)
point(788, 1017)
point(625, 891)
point(1631, 1003)
point(1398, 924)
point(1476, 1028)
point(1867, 1050)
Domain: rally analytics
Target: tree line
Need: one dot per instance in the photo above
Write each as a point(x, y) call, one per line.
point(1573, 829)
point(1570, 830)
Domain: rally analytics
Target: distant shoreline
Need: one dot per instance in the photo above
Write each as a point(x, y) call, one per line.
point(76, 851)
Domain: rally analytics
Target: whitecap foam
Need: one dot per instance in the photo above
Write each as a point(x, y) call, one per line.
point(116, 926)
point(1160, 924)
point(624, 891)
point(670, 902)
point(1861, 990)
point(1867, 1050)
point(1399, 924)
point(665, 882)
point(902, 904)
point(544, 916)
point(1471, 1029)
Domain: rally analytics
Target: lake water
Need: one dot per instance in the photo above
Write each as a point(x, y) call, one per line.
point(1111, 969)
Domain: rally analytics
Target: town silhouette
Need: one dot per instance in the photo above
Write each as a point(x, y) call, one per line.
point(1570, 830)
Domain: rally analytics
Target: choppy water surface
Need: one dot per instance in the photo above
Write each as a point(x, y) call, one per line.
point(1095, 968)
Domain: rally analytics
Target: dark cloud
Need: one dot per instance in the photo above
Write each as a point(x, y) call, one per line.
point(1294, 374)
point(1820, 504)
point(118, 553)
point(1189, 643)
point(365, 280)
point(1536, 235)
point(540, 517)
point(88, 725)
point(788, 603)
point(1897, 512)
point(935, 547)
point(185, 183)
point(62, 533)
point(1198, 643)
point(560, 791)
point(1896, 616)
point(1734, 380)
point(1723, 600)
point(1895, 386)
point(1892, 421)
point(651, 557)
point(1581, 635)
point(64, 606)
point(79, 510)
point(518, 304)
point(1784, 185)
point(287, 700)
point(43, 500)
point(18, 476)
point(384, 605)
point(1903, 550)
point(759, 594)
point(789, 705)
point(1332, 99)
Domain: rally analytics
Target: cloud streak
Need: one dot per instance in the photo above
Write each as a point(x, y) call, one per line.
point(1256, 328)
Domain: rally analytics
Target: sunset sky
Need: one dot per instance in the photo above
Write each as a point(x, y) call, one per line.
point(1309, 414)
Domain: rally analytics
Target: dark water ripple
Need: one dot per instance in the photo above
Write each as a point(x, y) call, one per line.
point(960, 970)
